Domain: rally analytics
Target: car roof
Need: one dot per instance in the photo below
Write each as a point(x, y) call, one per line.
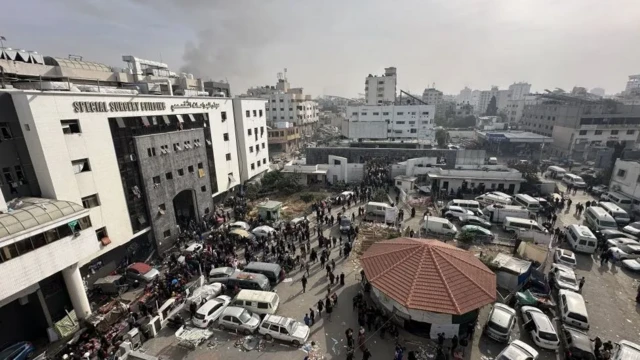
point(456, 207)
point(575, 300)
point(255, 295)
point(519, 350)
point(567, 252)
point(502, 315)
point(226, 270)
point(233, 311)
point(277, 319)
point(210, 304)
point(542, 322)
point(579, 338)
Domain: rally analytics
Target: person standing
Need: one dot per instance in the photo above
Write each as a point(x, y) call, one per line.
point(320, 307)
point(307, 320)
point(366, 354)
point(454, 344)
point(312, 316)
point(582, 281)
point(304, 283)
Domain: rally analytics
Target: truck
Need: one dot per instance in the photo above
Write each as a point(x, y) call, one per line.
point(439, 225)
point(496, 212)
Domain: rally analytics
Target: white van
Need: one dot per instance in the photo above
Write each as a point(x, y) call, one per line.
point(259, 302)
point(574, 180)
point(439, 225)
point(376, 208)
point(492, 161)
point(618, 199)
point(597, 219)
point(556, 172)
point(465, 204)
point(573, 311)
point(518, 224)
point(528, 202)
point(499, 193)
point(581, 238)
point(617, 213)
point(497, 213)
point(490, 199)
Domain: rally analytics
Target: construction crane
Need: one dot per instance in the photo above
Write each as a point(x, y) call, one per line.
point(411, 96)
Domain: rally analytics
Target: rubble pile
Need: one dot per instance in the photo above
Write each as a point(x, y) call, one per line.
point(371, 233)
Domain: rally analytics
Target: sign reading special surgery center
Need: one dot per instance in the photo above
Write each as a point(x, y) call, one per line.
point(117, 106)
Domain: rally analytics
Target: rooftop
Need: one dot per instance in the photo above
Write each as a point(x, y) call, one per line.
point(514, 136)
point(429, 275)
point(28, 213)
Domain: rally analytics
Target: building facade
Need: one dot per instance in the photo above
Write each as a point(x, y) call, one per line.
point(432, 96)
point(518, 90)
point(625, 179)
point(380, 90)
point(252, 136)
point(484, 99)
point(578, 125)
point(390, 122)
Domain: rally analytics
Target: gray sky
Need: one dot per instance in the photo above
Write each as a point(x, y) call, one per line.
point(329, 47)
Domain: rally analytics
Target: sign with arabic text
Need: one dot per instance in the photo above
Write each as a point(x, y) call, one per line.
point(205, 105)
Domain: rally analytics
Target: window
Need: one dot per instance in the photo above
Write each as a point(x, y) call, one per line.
point(631, 132)
point(90, 201)
point(364, 113)
point(582, 132)
point(250, 149)
point(70, 126)
point(225, 136)
point(223, 116)
point(354, 113)
point(162, 207)
point(248, 131)
point(413, 131)
point(200, 166)
point(156, 180)
point(385, 113)
point(400, 113)
point(400, 122)
point(376, 113)
point(101, 233)
point(164, 149)
point(203, 188)
point(20, 174)
point(621, 173)
point(151, 151)
point(180, 172)
point(228, 156)
point(412, 122)
point(166, 233)
point(81, 165)
point(176, 147)
point(190, 169)
point(260, 112)
point(247, 113)
point(614, 132)
point(5, 132)
point(263, 145)
point(261, 130)
point(169, 175)
point(264, 161)
point(425, 113)
point(253, 167)
point(598, 132)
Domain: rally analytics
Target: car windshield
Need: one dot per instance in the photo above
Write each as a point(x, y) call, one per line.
point(498, 328)
point(567, 279)
point(568, 259)
point(199, 316)
point(292, 327)
point(578, 317)
point(548, 336)
point(608, 223)
point(345, 222)
point(244, 316)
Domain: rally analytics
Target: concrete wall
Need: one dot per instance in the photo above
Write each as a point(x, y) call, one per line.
point(366, 130)
point(470, 157)
point(320, 155)
point(164, 192)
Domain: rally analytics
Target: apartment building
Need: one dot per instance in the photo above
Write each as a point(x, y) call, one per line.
point(432, 96)
point(625, 179)
point(251, 135)
point(390, 122)
point(382, 89)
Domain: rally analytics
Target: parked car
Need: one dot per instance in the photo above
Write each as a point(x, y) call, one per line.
point(632, 264)
point(565, 257)
point(626, 350)
point(599, 189)
point(263, 231)
point(500, 323)
point(18, 351)
point(210, 311)
point(474, 220)
point(456, 212)
point(283, 328)
point(611, 243)
point(141, 272)
point(626, 251)
point(194, 248)
point(632, 229)
point(239, 319)
point(605, 235)
point(576, 344)
point(220, 273)
point(518, 350)
point(478, 232)
point(540, 327)
point(564, 277)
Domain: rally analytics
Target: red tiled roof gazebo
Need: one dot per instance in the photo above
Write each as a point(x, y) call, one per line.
point(428, 279)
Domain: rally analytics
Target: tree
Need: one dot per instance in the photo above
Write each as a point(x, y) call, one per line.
point(442, 137)
point(492, 108)
point(468, 121)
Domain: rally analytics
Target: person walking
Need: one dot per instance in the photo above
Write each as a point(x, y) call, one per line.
point(307, 320)
point(582, 281)
point(454, 344)
point(312, 316)
point(304, 283)
point(320, 307)
point(329, 307)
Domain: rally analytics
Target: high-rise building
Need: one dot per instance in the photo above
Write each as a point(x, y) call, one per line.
point(465, 96)
point(381, 90)
point(518, 90)
point(432, 96)
point(414, 122)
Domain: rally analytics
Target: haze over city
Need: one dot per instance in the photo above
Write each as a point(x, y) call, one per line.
point(329, 46)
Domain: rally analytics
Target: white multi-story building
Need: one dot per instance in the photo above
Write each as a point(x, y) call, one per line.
point(432, 96)
point(381, 90)
point(475, 99)
point(465, 96)
point(251, 135)
point(518, 90)
point(290, 107)
point(515, 108)
point(485, 99)
point(390, 122)
point(625, 179)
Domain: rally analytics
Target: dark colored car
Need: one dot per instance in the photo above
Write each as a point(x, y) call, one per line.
point(576, 344)
point(538, 283)
point(18, 351)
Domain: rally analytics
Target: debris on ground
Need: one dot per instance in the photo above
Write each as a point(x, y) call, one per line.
point(371, 233)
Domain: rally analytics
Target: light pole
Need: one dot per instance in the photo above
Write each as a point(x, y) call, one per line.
point(2, 40)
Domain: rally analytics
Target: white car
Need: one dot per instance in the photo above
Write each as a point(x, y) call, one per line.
point(456, 212)
point(632, 229)
point(518, 350)
point(500, 323)
point(210, 311)
point(239, 319)
point(626, 251)
point(283, 328)
point(565, 257)
point(540, 327)
point(239, 225)
point(194, 248)
point(632, 264)
point(263, 231)
point(621, 241)
point(565, 277)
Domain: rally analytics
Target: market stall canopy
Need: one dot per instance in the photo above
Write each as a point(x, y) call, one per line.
point(240, 232)
point(429, 275)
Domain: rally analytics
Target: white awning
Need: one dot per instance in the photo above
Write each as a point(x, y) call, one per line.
point(180, 118)
point(166, 119)
point(120, 122)
point(191, 117)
